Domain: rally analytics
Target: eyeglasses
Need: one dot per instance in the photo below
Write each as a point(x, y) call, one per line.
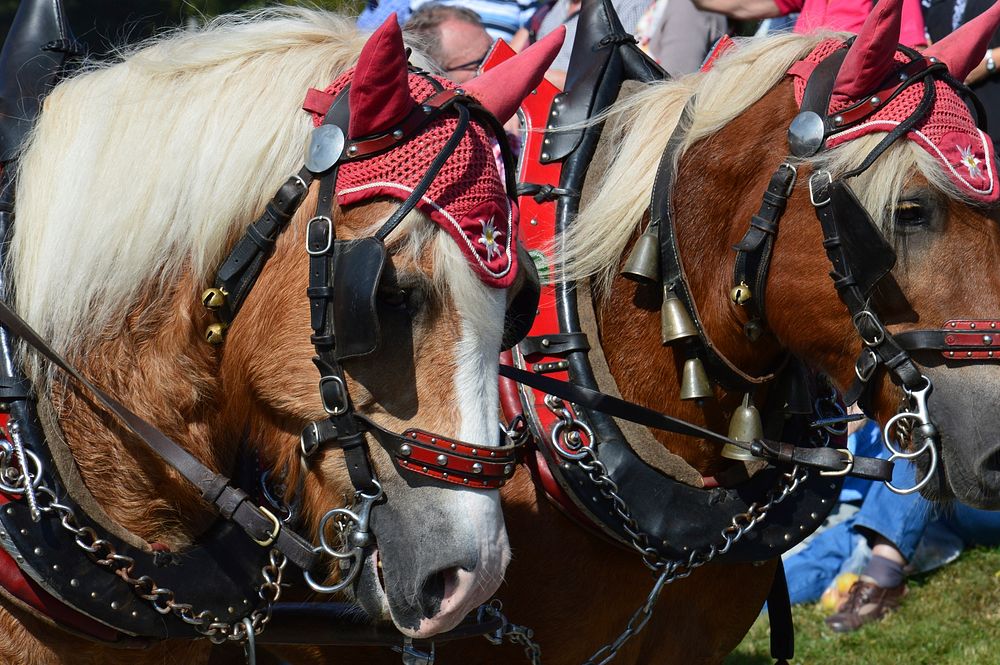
point(470, 66)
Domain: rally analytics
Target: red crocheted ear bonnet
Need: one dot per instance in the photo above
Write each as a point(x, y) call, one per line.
point(468, 198)
point(948, 132)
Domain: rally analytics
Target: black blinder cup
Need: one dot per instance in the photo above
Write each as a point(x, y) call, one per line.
point(358, 267)
point(869, 254)
point(520, 314)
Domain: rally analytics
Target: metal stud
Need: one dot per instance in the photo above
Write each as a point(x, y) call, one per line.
point(875, 101)
point(55, 567)
point(442, 460)
point(493, 453)
point(398, 134)
point(115, 604)
point(987, 339)
point(405, 450)
point(973, 325)
point(93, 594)
point(838, 119)
point(953, 324)
point(459, 91)
point(465, 481)
point(507, 468)
point(135, 613)
point(533, 222)
point(426, 109)
point(546, 343)
point(454, 446)
point(545, 156)
point(74, 582)
point(475, 451)
point(968, 354)
point(38, 551)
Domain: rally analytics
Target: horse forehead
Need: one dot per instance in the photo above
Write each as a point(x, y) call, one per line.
point(468, 198)
point(948, 133)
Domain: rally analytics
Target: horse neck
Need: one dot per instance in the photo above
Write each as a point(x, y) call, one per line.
point(159, 367)
point(716, 192)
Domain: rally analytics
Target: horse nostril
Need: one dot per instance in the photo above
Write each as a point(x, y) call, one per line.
point(435, 589)
point(991, 462)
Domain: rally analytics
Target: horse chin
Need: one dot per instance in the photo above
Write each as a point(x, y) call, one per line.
point(369, 591)
point(962, 406)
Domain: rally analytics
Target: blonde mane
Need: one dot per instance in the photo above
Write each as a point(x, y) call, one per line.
point(147, 168)
point(642, 124)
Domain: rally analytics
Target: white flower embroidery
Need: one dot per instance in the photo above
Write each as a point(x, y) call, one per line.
point(970, 161)
point(490, 238)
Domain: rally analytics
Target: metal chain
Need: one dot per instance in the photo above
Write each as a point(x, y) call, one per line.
point(512, 632)
point(667, 571)
point(103, 553)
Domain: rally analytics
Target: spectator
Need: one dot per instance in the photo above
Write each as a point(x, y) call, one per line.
point(847, 15)
point(377, 11)
point(890, 537)
point(678, 35)
point(501, 18)
point(453, 37)
point(945, 16)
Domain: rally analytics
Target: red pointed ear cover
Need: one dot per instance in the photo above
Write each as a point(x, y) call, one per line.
point(869, 60)
point(379, 94)
point(468, 198)
point(948, 133)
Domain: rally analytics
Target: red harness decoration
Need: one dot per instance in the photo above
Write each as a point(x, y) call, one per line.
point(970, 333)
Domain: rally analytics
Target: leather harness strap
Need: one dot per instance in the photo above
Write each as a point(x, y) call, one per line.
point(231, 502)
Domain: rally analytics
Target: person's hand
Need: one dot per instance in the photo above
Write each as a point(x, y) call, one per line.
point(980, 73)
point(519, 40)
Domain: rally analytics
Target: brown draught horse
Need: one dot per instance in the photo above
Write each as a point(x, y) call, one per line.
point(930, 193)
point(139, 178)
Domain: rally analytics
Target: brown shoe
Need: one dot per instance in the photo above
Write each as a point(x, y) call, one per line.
point(866, 602)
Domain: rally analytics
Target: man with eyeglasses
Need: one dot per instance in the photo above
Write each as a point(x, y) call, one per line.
point(452, 36)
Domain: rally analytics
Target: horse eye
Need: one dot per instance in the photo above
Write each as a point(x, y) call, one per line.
point(394, 296)
point(911, 215)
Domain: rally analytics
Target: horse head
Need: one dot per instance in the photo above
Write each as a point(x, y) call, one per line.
point(861, 126)
point(420, 237)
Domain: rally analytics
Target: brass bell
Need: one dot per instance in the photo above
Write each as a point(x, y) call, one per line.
point(745, 425)
point(740, 294)
point(643, 264)
point(213, 298)
point(675, 322)
point(694, 380)
point(215, 333)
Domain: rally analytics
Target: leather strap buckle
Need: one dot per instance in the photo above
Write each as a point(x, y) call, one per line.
point(273, 536)
point(333, 393)
point(312, 233)
point(848, 467)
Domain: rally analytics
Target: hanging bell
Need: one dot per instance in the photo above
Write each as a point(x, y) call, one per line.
point(213, 298)
point(740, 294)
point(643, 264)
point(216, 333)
point(675, 322)
point(745, 425)
point(694, 380)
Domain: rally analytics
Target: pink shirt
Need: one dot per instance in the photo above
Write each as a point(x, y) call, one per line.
point(849, 15)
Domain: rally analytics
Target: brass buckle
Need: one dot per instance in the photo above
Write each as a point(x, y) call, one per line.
point(849, 456)
point(274, 532)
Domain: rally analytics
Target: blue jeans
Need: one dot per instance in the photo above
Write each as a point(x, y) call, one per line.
point(901, 519)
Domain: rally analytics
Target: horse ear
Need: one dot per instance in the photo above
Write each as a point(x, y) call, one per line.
point(963, 49)
point(870, 60)
point(502, 89)
point(380, 89)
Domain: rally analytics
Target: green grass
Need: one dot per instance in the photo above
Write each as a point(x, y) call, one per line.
point(950, 617)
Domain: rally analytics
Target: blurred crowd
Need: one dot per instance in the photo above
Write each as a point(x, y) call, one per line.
point(678, 34)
